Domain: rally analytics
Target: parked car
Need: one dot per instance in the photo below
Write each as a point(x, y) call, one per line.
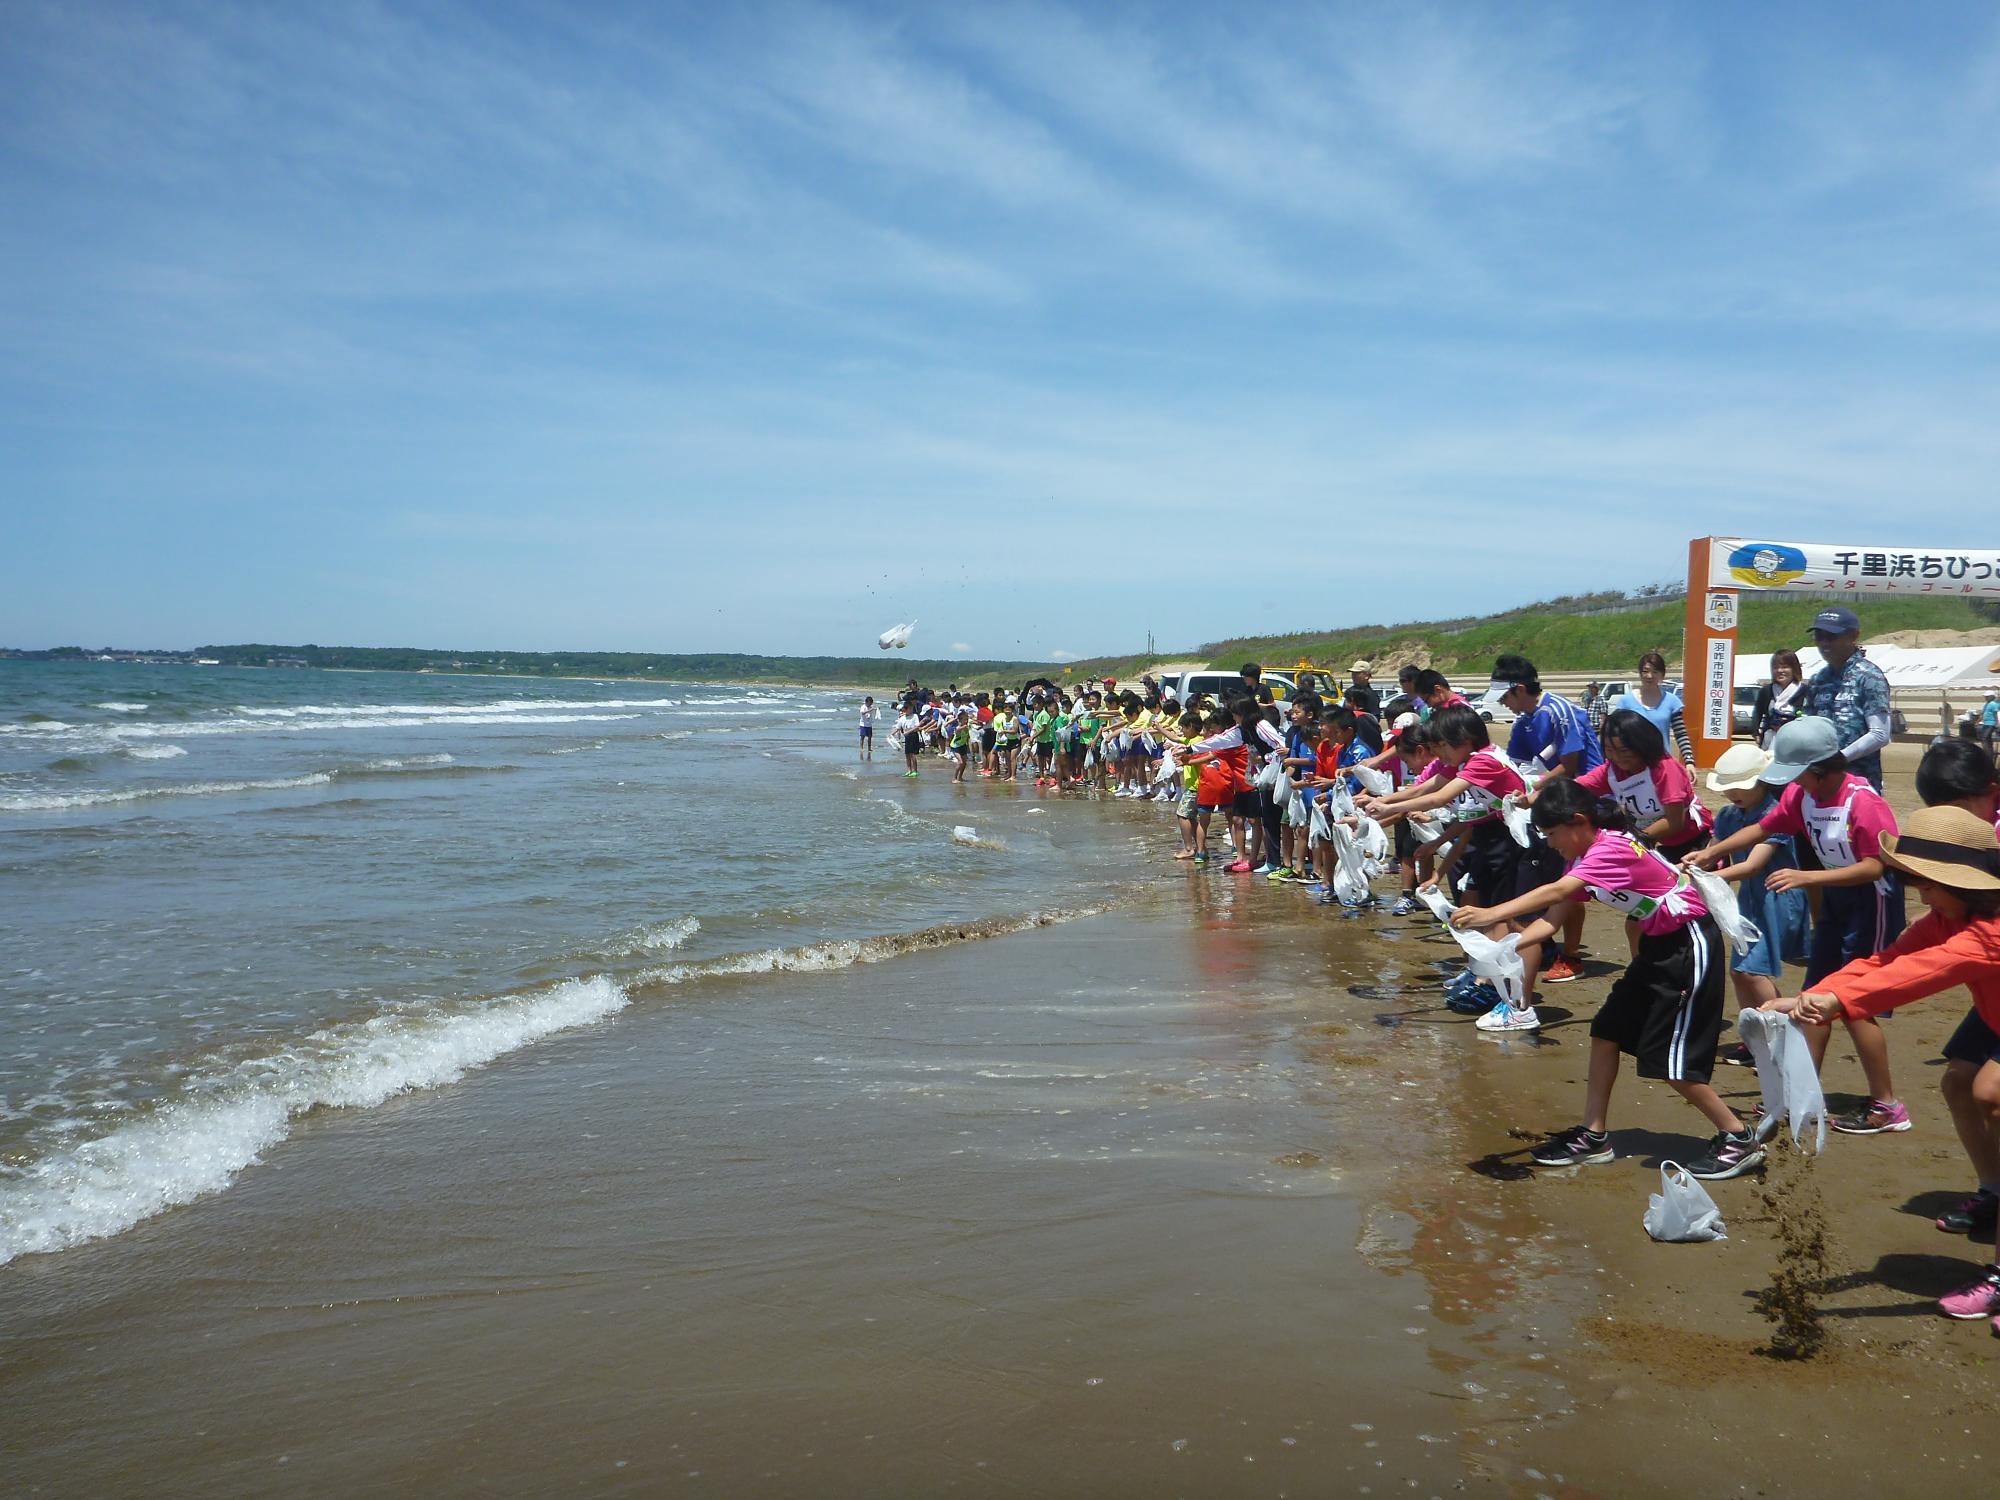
point(1491, 709)
point(1745, 708)
point(1224, 686)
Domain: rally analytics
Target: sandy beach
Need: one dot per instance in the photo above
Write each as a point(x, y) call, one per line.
point(1224, 1202)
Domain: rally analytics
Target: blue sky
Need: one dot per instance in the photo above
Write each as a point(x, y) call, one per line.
point(763, 327)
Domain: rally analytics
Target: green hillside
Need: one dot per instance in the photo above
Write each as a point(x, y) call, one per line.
point(1557, 641)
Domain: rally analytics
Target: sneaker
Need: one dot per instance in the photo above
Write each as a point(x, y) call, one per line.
point(1266, 870)
point(1562, 971)
point(1728, 1156)
point(1737, 1054)
point(1505, 1017)
point(1476, 1001)
point(1406, 906)
point(1283, 872)
point(1201, 859)
point(1979, 1212)
point(1977, 1299)
point(1461, 982)
point(1572, 1148)
point(1877, 1119)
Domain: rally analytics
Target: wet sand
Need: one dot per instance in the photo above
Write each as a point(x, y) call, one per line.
point(1225, 1203)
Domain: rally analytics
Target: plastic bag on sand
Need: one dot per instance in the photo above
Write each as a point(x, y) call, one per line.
point(1519, 820)
point(1785, 1071)
point(1437, 901)
point(1681, 1210)
point(1376, 783)
point(1719, 896)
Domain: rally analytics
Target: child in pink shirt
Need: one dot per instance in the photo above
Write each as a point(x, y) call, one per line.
point(1666, 1008)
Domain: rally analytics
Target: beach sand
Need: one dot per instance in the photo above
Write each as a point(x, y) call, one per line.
point(1222, 1201)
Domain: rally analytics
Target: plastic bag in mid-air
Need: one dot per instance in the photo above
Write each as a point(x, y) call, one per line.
point(1719, 896)
point(1681, 1211)
point(896, 637)
point(1785, 1072)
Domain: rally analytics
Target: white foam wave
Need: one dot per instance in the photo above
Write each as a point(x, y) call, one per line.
point(125, 708)
point(196, 1145)
point(439, 710)
point(296, 726)
point(842, 953)
point(964, 834)
point(53, 801)
point(154, 752)
point(404, 763)
point(662, 937)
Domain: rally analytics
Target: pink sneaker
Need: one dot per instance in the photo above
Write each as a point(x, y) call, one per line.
point(1981, 1299)
point(1877, 1119)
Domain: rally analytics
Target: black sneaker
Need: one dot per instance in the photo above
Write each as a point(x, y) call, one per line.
point(1975, 1215)
point(1728, 1156)
point(1737, 1054)
point(1572, 1148)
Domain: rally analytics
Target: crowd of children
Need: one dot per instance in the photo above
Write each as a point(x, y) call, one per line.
point(1330, 794)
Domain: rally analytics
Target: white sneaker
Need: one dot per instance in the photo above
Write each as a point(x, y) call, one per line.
point(1504, 1017)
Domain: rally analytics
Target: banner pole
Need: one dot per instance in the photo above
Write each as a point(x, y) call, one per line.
point(1708, 659)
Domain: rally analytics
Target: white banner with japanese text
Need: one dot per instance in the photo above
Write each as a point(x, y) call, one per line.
point(1744, 563)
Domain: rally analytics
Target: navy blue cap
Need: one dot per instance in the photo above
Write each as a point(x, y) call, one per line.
point(1835, 621)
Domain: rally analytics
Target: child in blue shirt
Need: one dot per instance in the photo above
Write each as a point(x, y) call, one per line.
point(1781, 916)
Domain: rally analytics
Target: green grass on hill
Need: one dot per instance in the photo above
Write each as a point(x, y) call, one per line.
point(1558, 642)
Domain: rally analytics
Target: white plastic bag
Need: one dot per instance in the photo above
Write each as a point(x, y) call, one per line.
point(1497, 959)
point(1371, 837)
point(1321, 829)
point(1268, 778)
point(1681, 1211)
point(1519, 820)
point(1376, 782)
point(1719, 896)
point(1427, 830)
point(1166, 770)
point(1438, 901)
point(1785, 1072)
point(1295, 809)
point(1350, 870)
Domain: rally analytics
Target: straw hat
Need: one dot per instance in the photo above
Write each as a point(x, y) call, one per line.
point(1946, 846)
point(1739, 768)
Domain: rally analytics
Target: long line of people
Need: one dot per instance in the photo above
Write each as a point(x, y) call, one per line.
point(1803, 861)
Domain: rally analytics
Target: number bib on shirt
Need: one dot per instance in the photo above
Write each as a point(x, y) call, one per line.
point(1632, 903)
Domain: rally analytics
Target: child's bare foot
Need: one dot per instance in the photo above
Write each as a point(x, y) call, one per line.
point(1184, 854)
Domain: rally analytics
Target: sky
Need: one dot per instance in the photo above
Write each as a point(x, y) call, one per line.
point(764, 327)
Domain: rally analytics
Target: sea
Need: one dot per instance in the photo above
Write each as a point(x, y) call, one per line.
point(428, 1083)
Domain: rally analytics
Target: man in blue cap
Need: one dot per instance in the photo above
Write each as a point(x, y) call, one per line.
point(1851, 691)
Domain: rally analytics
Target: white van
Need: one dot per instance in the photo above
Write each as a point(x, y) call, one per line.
point(1223, 687)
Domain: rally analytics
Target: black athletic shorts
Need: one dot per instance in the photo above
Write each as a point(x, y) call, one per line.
point(987, 739)
point(913, 744)
point(1492, 859)
point(1666, 1009)
point(1245, 805)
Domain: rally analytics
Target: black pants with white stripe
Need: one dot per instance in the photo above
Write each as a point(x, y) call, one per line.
point(1666, 1009)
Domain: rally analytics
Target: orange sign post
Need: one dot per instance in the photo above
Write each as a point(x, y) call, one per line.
point(1708, 656)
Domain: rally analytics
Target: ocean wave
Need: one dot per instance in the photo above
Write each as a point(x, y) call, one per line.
point(55, 801)
point(425, 710)
point(968, 836)
point(660, 937)
point(125, 708)
point(154, 752)
point(414, 765)
point(299, 726)
point(843, 953)
point(196, 1145)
